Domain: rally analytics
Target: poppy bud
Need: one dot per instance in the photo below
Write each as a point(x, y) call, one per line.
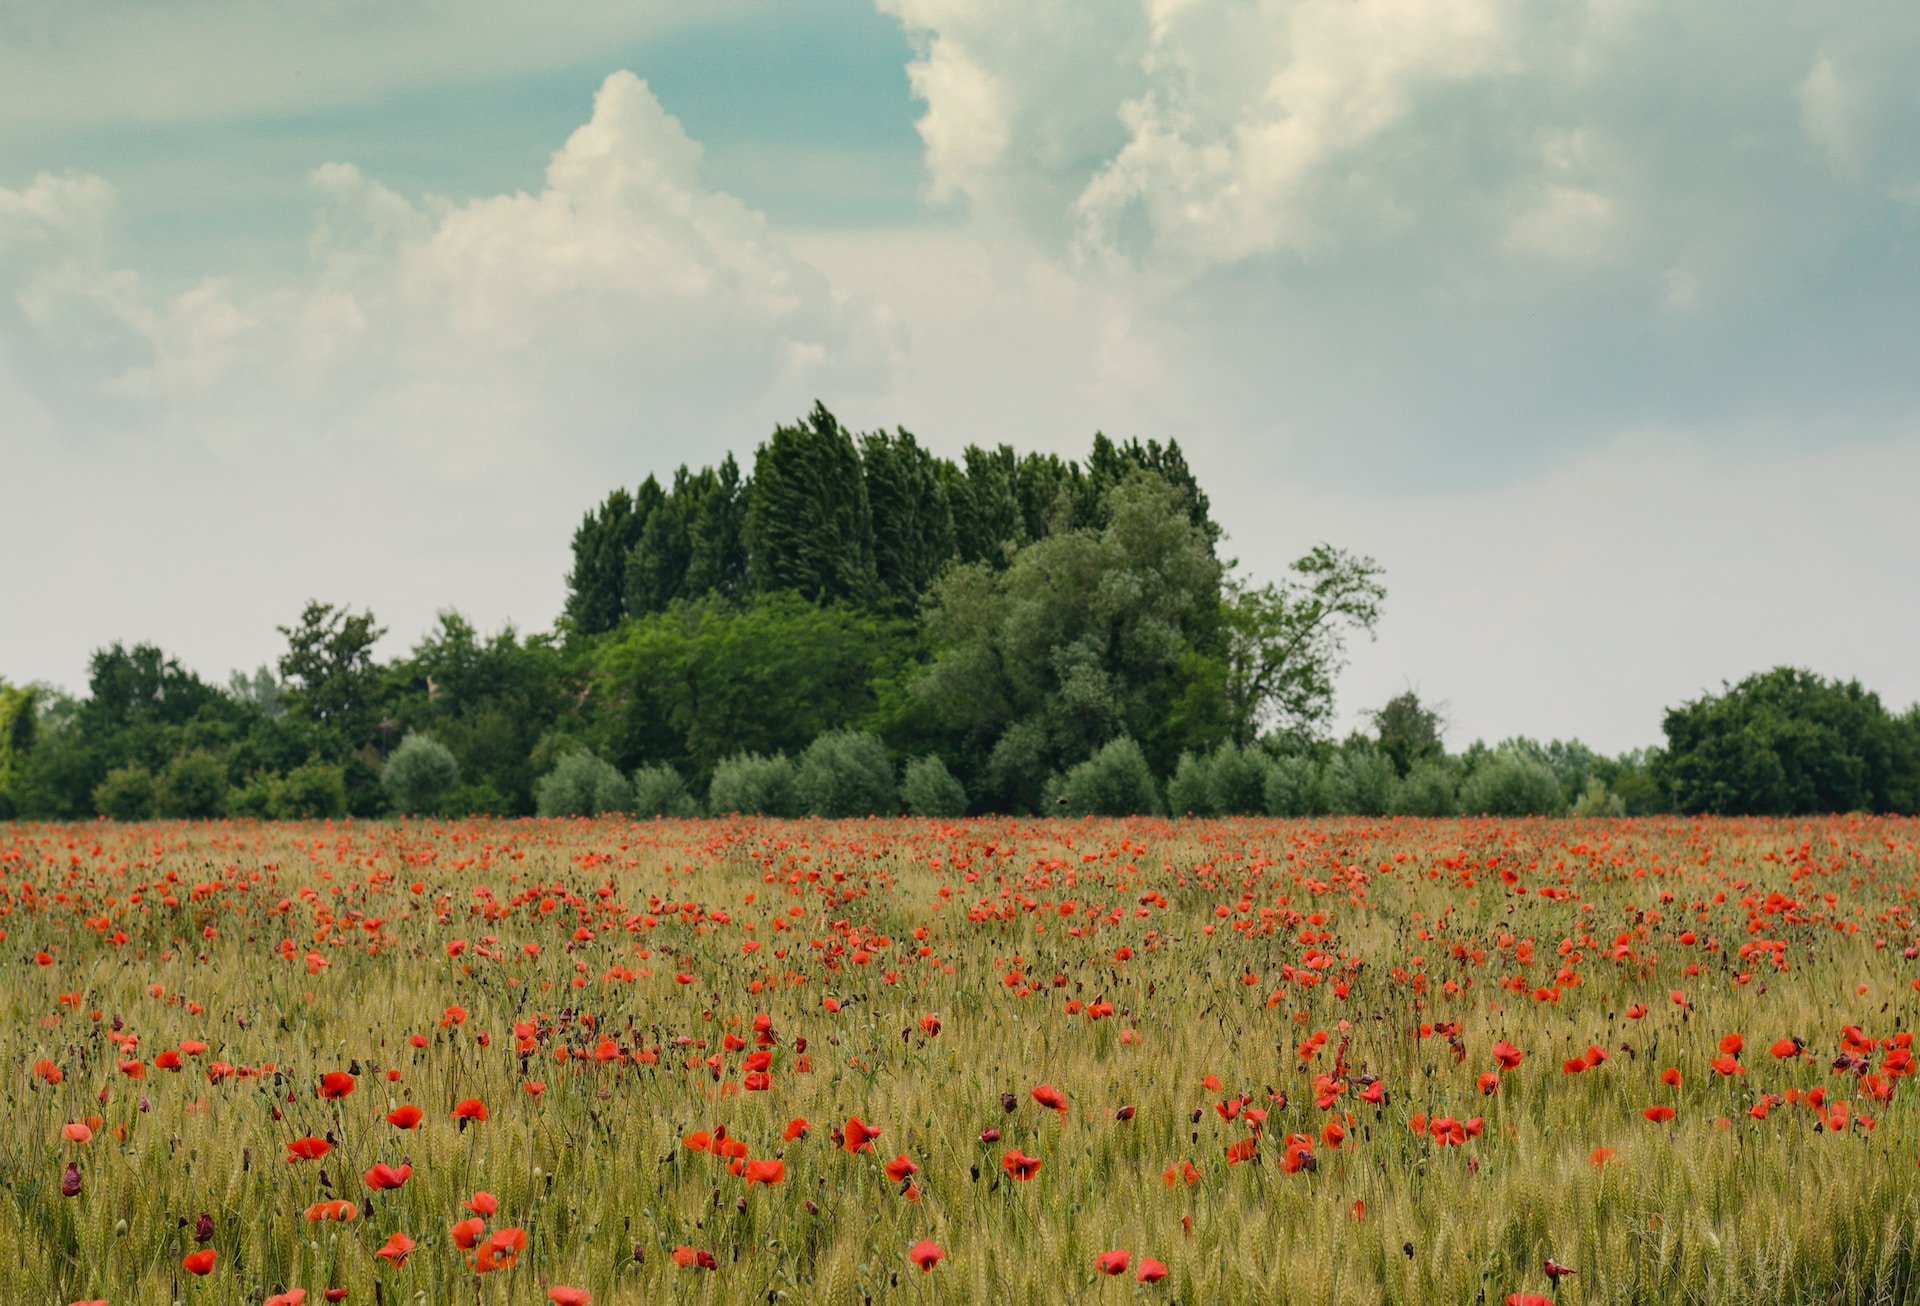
point(203, 1228)
point(70, 1181)
point(1009, 1103)
point(812, 1209)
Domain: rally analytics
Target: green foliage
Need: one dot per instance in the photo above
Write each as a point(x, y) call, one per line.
point(707, 679)
point(661, 791)
point(1226, 782)
point(581, 784)
point(310, 791)
point(19, 726)
point(330, 672)
point(1115, 781)
point(1360, 780)
point(1598, 800)
point(845, 773)
point(755, 785)
point(693, 542)
point(126, 794)
point(489, 700)
point(1081, 639)
point(1426, 790)
point(597, 585)
point(1408, 732)
point(419, 775)
point(1293, 787)
point(1286, 642)
point(193, 787)
point(927, 788)
point(1788, 742)
point(913, 537)
point(809, 525)
point(1511, 782)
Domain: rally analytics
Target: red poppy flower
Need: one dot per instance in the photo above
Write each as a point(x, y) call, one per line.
point(1019, 1166)
point(764, 1172)
point(1113, 1262)
point(335, 1084)
point(482, 1203)
point(200, 1262)
point(395, 1250)
point(900, 1167)
point(1670, 1077)
point(1506, 1055)
point(384, 1176)
point(569, 1296)
point(405, 1117)
point(1659, 1114)
point(926, 1254)
point(1050, 1097)
point(308, 1149)
point(690, 1258)
point(466, 1233)
point(1786, 1047)
point(796, 1128)
point(1151, 1271)
point(1732, 1045)
point(859, 1136)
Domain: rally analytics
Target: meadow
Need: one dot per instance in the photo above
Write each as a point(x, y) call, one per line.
point(997, 1060)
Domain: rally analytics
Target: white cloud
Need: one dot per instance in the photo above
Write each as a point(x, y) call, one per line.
point(625, 280)
point(1568, 223)
point(1247, 105)
point(1829, 114)
point(54, 217)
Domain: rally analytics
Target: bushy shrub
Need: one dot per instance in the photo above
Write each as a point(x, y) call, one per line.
point(1360, 782)
point(126, 794)
point(581, 784)
point(419, 774)
point(1427, 790)
point(1237, 780)
point(310, 791)
point(1598, 800)
point(1190, 791)
point(476, 798)
point(845, 773)
point(1115, 781)
point(1293, 788)
point(1508, 784)
point(661, 791)
point(193, 787)
point(929, 789)
point(254, 799)
point(750, 783)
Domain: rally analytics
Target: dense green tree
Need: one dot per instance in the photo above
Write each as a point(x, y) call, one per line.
point(754, 785)
point(662, 791)
point(1408, 731)
point(126, 794)
point(330, 673)
point(707, 679)
point(1788, 742)
point(1080, 640)
point(694, 542)
point(983, 492)
point(1114, 781)
point(19, 728)
point(1108, 464)
point(581, 784)
point(913, 537)
point(597, 585)
point(809, 526)
point(929, 789)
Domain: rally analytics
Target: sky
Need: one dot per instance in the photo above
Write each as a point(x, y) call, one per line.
point(1597, 324)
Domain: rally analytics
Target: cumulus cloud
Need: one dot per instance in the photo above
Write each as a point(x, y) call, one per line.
point(626, 284)
point(1828, 112)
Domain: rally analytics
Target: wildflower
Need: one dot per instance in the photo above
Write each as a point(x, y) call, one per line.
point(200, 1262)
point(405, 1117)
point(1151, 1271)
point(1113, 1262)
point(335, 1084)
point(1020, 1166)
point(926, 1254)
point(395, 1250)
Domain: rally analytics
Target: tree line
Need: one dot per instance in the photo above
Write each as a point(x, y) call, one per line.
point(858, 625)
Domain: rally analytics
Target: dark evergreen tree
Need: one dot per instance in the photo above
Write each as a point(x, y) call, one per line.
point(717, 535)
point(597, 585)
point(912, 520)
point(984, 493)
point(1109, 463)
point(809, 527)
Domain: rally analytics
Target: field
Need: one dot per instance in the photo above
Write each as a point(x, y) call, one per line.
point(748, 1061)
